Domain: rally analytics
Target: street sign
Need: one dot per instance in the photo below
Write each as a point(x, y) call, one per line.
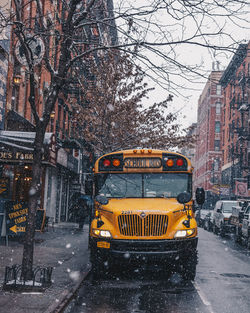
point(16, 218)
point(37, 48)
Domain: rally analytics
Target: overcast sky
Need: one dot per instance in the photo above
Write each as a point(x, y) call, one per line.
point(190, 54)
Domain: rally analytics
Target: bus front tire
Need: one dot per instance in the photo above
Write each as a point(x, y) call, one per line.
point(189, 266)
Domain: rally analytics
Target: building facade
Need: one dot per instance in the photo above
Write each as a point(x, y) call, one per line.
point(4, 56)
point(235, 122)
point(208, 155)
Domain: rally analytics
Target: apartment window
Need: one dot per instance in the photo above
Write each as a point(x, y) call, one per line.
point(217, 145)
point(217, 127)
point(217, 107)
point(218, 90)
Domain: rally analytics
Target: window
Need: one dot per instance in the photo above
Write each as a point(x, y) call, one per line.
point(218, 90)
point(156, 185)
point(217, 127)
point(217, 107)
point(217, 145)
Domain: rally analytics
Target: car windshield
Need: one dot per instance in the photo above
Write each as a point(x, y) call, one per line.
point(153, 185)
point(228, 207)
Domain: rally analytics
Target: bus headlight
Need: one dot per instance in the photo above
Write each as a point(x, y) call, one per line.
point(102, 233)
point(184, 233)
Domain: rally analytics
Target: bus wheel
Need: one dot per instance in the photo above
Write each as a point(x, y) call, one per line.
point(189, 266)
point(98, 267)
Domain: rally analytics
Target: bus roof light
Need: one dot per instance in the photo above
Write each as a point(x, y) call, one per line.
point(106, 163)
point(116, 162)
point(170, 162)
point(179, 162)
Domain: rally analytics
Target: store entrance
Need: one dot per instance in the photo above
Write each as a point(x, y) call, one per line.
point(22, 182)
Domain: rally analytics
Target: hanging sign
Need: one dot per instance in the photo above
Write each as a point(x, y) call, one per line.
point(241, 188)
point(37, 48)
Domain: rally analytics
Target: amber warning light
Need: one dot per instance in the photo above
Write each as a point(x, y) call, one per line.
point(109, 163)
point(174, 163)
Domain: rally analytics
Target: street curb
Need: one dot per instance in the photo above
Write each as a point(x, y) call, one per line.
point(67, 295)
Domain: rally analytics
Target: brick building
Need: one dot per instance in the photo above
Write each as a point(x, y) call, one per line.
point(63, 162)
point(235, 121)
point(4, 55)
point(208, 145)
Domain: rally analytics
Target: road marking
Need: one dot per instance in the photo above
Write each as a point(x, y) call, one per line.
point(203, 297)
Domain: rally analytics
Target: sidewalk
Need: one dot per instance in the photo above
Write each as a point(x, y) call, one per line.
point(66, 250)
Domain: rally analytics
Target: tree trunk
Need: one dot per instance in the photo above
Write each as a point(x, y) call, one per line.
point(34, 194)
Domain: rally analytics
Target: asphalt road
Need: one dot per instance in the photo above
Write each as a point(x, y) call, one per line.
point(222, 285)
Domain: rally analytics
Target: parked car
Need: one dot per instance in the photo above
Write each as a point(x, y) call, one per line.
point(200, 216)
point(246, 227)
point(221, 216)
point(237, 218)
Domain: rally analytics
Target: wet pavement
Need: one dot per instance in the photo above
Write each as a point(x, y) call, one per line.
point(66, 250)
point(222, 285)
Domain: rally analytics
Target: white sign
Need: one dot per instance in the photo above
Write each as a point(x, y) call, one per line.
point(62, 157)
point(37, 48)
point(241, 189)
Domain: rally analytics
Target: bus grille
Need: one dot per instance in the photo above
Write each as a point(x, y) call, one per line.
point(151, 225)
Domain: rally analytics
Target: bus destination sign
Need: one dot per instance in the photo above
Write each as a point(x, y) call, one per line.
point(142, 162)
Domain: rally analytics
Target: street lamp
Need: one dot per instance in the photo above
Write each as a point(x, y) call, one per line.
point(17, 79)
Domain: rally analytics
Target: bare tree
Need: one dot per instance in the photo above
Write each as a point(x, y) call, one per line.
point(113, 115)
point(152, 32)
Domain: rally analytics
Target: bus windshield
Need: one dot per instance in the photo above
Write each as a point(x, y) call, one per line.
point(139, 185)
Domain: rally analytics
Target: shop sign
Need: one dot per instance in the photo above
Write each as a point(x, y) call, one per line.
point(16, 218)
point(62, 157)
point(27, 157)
point(16, 156)
point(225, 190)
point(241, 188)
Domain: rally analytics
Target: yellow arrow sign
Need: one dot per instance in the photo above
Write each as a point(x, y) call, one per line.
point(17, 229)
point(13, 228)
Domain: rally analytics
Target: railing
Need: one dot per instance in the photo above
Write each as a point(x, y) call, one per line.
point(13, 280)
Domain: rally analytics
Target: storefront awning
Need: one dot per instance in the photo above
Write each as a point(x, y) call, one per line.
point(18, 146)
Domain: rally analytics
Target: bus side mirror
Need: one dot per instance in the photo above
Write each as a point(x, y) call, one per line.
point(184, 197)
point(102, 199)
point(200, 195)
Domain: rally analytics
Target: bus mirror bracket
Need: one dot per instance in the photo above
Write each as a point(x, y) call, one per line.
point(184, 197)
point(102, 200)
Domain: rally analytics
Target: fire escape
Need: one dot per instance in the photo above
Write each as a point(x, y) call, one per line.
point(241, 127)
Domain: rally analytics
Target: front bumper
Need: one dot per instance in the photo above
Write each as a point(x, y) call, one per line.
point(228, 228)
point(130, 250)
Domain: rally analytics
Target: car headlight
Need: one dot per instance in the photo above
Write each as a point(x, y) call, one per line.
point(102, 233)
point(184, 233)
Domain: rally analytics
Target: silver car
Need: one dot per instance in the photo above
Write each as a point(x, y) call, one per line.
point(221, 216)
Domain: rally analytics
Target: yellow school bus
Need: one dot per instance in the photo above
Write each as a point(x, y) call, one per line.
point(143, 211)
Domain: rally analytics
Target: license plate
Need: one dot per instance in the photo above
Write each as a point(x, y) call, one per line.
point(103, 244)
